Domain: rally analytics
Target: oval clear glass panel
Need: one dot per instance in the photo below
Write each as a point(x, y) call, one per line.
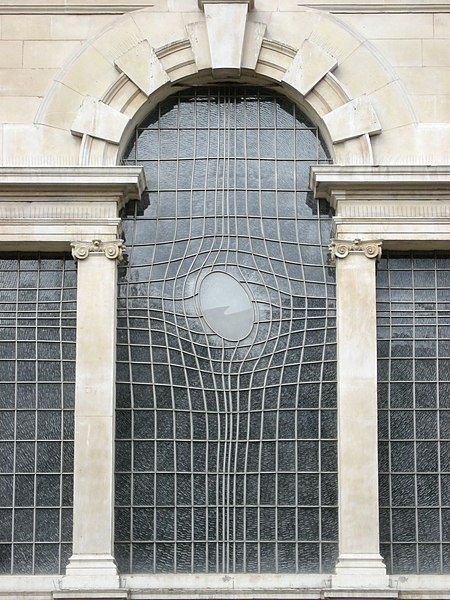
point(226, 306)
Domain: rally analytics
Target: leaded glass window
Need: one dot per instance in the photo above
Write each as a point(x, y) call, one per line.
point(226, 393)
point(37, 375)
point(414, 411)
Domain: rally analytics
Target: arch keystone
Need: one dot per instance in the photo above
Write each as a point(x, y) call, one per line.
point(310, 65)
point(141, 65)
point(225, 24)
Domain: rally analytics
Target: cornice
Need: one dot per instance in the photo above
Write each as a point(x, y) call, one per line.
point(118, 9)
point(349, 8)
point(71, 9)
point(49, 207)
point(44, 183)
point(404, 205)
point(327, 180)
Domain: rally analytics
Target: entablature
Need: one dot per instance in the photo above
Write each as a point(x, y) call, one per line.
point(404, 206)
point(54, 206)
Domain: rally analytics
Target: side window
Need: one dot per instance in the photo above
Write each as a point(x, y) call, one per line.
point(414, 411)
point(37, 380)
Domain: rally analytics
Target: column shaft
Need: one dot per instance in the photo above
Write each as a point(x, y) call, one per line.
point(92, 563)
point(359, 562)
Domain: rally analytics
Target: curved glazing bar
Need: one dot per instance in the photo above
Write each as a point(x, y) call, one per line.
point(226, 390)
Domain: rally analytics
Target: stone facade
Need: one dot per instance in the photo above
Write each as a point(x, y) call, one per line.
point(77, 77)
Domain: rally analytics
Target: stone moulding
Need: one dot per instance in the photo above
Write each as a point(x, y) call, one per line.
point(200, 50)
point(403, 206)
point(177, 59)
point(96, 8)
point(125, 181)
point(54, 206)
point(328, 181)
point(393, 7)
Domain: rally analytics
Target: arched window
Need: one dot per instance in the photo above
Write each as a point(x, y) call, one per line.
point(226, 374)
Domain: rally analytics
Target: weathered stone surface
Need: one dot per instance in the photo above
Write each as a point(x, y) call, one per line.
point(309, 66)
point(77, 75)
point(142, 66)
point(225, 24)
point(99, 120)
point(352, 119)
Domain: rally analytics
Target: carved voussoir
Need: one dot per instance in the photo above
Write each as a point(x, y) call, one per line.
point(112, 250)
point(342, 248)
point(141, 65)
point(309, 66)
point(353, 119)
point(99, 120)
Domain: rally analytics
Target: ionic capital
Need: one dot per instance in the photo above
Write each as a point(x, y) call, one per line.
point(112, 250)
point(342, 248)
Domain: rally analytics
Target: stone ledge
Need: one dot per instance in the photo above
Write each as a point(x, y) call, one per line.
point(368, 8)
point(325, 178)
point(96, 8)
point(91, 595)
point(52, 206)
point(360, 594)
point(125, 181)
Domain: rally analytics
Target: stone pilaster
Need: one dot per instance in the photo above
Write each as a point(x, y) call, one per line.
point(92, 563)
point(359, 563)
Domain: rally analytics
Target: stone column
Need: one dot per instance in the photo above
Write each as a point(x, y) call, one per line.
point(359, 563)
point(92, 563)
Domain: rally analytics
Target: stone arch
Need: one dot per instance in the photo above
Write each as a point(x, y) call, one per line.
point(119, 75)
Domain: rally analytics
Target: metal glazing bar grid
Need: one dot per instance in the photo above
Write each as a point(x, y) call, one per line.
point(414, 411)
point(226, 450)
point(37, 352)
